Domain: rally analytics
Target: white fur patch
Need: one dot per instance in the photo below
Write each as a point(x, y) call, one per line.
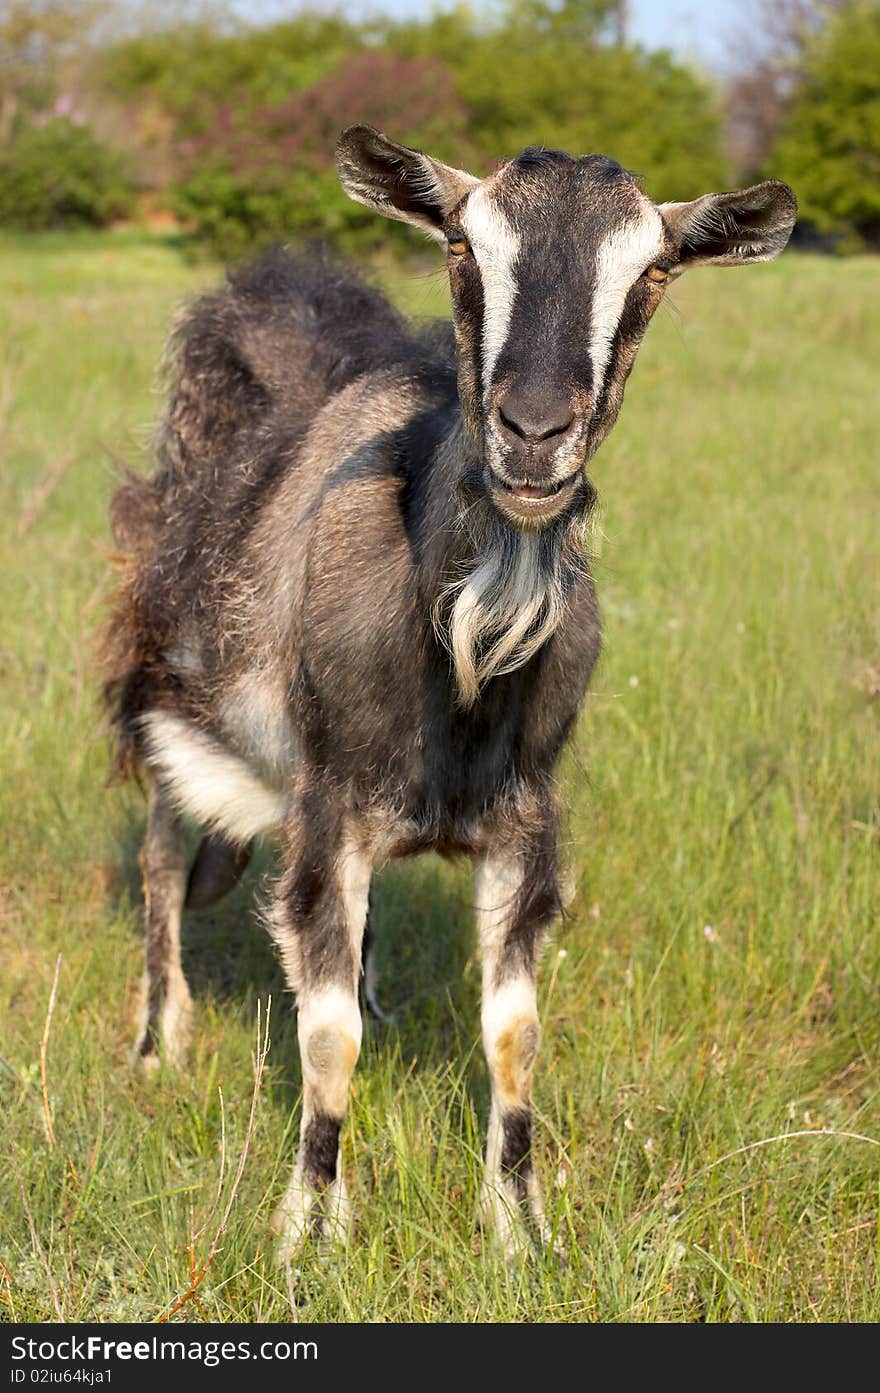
point(620, 260)
point(254, 716)
point(496, 248)
point(332, 1008)
point(503, 613)
point(355, 871)
point(497, 883)
point(329, 1031)
point(216, 788)
point(515, 1001)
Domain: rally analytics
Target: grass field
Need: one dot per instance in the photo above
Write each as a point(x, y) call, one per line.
point(708, 1091)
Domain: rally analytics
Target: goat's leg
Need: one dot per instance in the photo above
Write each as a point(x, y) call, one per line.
point(369, 973)
point(217, 869)
point(166, 1007)
point(516, 898)
point(318, 921)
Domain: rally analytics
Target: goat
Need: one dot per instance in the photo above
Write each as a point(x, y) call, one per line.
point(356, 608)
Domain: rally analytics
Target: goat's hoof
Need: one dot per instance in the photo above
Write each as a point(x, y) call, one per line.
point(152, 1062)
point(517, 1227)
point(167, 1055)
point(309, 1217)
point(510, 1244)
point(507, 1236)
point(145, 1059)
point(521, 1241)
point(166, 1047)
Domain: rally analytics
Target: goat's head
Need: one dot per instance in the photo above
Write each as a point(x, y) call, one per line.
point(556, 266)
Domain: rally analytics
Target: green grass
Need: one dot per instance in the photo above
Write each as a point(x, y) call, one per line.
point(715, 982)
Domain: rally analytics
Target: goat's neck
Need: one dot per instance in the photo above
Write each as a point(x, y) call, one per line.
point(453, 509)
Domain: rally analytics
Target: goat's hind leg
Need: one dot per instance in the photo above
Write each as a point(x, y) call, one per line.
point(217, 869)
point(370, 974)
point(166, 1006)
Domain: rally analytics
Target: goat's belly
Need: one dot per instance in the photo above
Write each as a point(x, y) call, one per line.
point(211, 780)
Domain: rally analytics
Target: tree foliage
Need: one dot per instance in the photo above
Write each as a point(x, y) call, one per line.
point(829, 149)
point(58, 174)
point(263, 172)
point(468, 89)
point(44, 47)
point(193, 70)
point(767, 56)
point(233, 124)
point(544, 76)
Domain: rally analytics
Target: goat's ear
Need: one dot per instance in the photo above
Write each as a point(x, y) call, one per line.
point(732, 229)
point(399, 182)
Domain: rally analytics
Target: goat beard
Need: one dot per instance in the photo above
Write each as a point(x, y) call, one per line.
point(510, 596)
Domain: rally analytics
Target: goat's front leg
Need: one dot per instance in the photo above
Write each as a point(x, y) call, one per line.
point(516, 898)
point(166, 1006)
point(318, 921)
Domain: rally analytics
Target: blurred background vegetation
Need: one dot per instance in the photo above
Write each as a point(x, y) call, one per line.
point(225, 126)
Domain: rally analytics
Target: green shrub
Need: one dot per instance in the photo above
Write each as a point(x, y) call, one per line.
point(190, 70)
point(58, 174)
point(266, 173)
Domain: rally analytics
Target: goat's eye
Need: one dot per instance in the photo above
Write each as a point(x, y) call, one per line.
point(458, 246)
point(657, 275)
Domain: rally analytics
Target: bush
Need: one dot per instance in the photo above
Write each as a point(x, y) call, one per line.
point(59, 174)
point(190, 70)
point(829, 150)
point(267, 172)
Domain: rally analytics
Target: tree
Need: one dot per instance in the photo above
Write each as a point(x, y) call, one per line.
point(545, 75)
point(43, 45)
point(267, 172)
point(191, 69)
point(768, 51)
point(829, 148)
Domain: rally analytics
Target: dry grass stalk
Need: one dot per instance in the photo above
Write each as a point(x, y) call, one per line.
point(44, 1046)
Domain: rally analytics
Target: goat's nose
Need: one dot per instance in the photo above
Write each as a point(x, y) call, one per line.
point(538, 424)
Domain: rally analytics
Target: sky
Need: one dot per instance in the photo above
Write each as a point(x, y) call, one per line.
point(694, 29)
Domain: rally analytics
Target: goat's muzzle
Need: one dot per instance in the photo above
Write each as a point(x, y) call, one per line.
point(530, 503)
point(531, 428)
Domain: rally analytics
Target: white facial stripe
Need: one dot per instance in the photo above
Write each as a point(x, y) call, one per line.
point(496, 248)
point(620, 259)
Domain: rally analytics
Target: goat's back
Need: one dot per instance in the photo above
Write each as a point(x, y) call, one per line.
point(284, 334)
point(247, 371)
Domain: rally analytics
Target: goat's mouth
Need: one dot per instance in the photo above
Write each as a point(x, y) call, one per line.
point(527, 502)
